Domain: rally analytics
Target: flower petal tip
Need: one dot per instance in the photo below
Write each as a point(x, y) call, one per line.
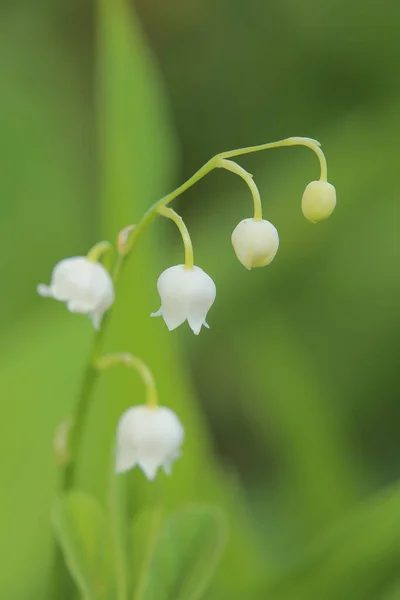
point(122, 465)
point(149, 471)
point(96, 319)
point(43, 290)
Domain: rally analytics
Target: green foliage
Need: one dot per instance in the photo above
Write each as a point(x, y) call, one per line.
point(297, 378)
point(82, 530)
point(171, 558)
point(144, 537)
point(179, 562)
point(357, 560)
point(126, 194)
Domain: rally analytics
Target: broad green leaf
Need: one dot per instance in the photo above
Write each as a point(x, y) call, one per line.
point(40, 369)
point(44, 183)
point(393, 593)
point(184, 557)
point(145, 534)
point(136, 145)
point(82, 531)
point(118, 520)
point(359, 559)
point(45, 188)
point(137, 157)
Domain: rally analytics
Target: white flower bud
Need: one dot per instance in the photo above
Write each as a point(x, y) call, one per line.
point(85, 286)
point(319, 200)
point(186, 293)
point(255, 242)
point(149, 437)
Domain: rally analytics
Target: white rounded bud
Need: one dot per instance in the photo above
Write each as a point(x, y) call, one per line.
point(319, 200)
point(255, 242)
point(85, 286)
point(149, 437)
point(186, 294)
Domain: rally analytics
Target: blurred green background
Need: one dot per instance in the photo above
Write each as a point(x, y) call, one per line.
point(291, 400)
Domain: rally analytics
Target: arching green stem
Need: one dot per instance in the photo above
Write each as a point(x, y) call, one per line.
point(187, 242)
point(230, 165)
point(131, 235)
point(128, 360)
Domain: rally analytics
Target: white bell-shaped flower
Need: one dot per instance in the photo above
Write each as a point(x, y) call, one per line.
point(319, 201)
point(85, 286)
point(149, 437)
point(255, 242)
point(186, 293)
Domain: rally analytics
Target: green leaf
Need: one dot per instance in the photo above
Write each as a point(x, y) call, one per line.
point(136, 142)
point(145, 534)
point(44, 209)
point(137, 153)
point(358, 560)
point(394, 592)
point(185, 556)
point(81, 529)
point(41, 363)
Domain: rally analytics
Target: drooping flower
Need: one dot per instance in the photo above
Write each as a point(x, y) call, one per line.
point(186, 294)
point(85, 286)
point(255, 242)
point(319, 201)
point(149, 437)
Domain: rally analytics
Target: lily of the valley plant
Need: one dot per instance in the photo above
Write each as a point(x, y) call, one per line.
point(150, 436)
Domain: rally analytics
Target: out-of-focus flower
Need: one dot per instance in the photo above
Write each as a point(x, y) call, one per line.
point(149, 437)
point(255, 242)
point(85, 286)
point(186, 294)
point(319, 201)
